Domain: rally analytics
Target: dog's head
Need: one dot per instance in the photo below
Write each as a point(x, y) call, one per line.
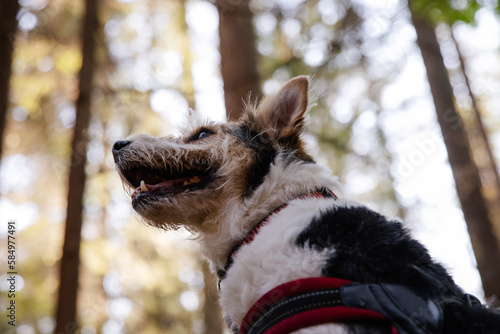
point(191, 180)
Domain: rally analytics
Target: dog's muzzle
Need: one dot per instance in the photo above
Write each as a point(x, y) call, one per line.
point(117, 147)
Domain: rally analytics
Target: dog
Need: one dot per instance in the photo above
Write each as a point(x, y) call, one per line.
point(292, 253)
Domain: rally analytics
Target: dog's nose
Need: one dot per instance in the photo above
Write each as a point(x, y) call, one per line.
point(118, 146)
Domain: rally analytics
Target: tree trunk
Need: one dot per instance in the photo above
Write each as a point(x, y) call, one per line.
point(68, 288)
point(187, 74)
point(491, 168)
point(465, 172)
point(211, 308)
point(238, 55)
point(8, 26)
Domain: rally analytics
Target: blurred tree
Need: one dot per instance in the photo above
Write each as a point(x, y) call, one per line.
point(187, 76)
point(8, 26)
point(69, 265)
point(465, 171)
point(211, 308)
point(134, 279)
point(38, 130)
point(488, 167)
point(327, 40)
point(238, 55)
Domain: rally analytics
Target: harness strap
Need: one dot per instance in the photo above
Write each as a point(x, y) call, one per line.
point(321, 300)
point(407, 311)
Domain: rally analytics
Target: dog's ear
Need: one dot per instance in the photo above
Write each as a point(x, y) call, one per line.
point(285, 112)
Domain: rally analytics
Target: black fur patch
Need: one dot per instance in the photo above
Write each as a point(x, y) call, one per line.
point(471, 320)
point(264, 153)
point(371, 249)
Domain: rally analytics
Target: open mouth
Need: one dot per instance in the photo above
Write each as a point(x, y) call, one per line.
point(166, 182)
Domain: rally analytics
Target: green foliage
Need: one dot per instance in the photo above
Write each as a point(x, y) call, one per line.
point(447, 11)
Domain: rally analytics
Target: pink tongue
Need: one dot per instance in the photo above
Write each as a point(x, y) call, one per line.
point(164, 184)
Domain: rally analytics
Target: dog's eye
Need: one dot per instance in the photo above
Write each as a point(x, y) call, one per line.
point(203, 133)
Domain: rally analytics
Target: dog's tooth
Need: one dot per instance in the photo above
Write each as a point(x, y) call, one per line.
point(195, 179)
point(143, 186)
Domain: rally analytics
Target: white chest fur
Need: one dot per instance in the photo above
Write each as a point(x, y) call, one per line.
point(274, 258)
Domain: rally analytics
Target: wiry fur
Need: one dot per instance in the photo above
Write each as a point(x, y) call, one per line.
point(247, 169)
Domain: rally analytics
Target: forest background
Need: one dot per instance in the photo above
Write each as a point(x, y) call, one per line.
point(406, 115)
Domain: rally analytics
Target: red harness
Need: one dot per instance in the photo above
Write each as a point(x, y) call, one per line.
point(303, 303)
